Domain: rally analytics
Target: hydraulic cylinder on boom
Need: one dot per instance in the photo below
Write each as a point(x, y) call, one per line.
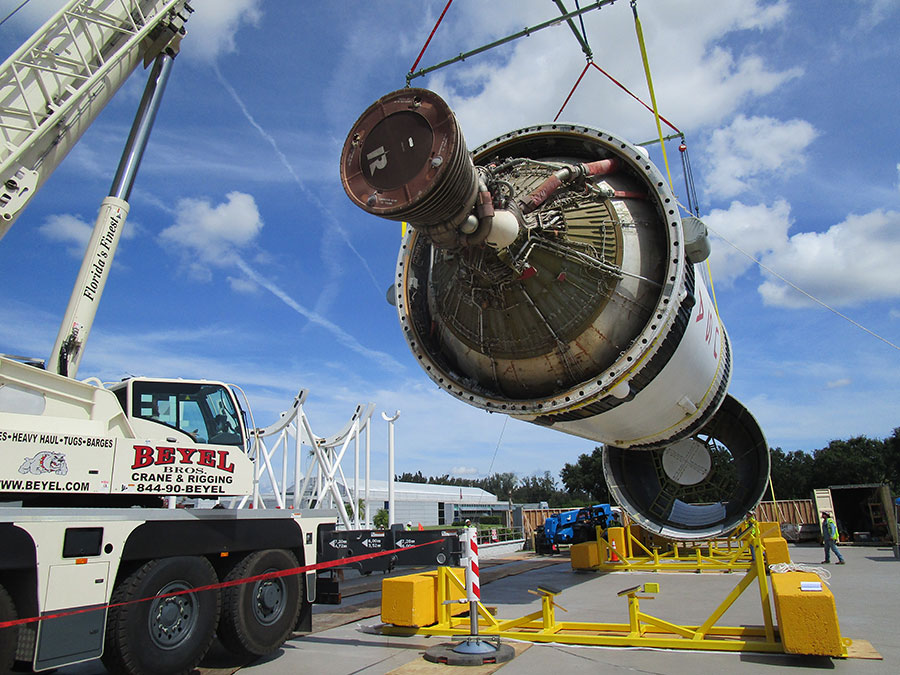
point(82, 309)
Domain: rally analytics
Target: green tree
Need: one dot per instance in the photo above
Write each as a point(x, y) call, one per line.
point(408, 477)
point(791, 474)
point(585, 478)
point(380, 521)
point(892, 460)
point(500, 484)
point(539, 488)
point(856, 460)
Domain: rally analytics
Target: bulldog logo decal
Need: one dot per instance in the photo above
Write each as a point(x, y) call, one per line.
point(45, 462)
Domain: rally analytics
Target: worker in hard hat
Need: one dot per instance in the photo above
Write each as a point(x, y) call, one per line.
point(829, 538)
point(408, 525)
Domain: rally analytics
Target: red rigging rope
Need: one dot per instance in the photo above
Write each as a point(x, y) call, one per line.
point(224, 584)
point(577, 82)
point(620, 86)
point(431, 35)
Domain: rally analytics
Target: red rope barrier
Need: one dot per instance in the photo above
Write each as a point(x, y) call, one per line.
point(433, 31)
point(224, 584)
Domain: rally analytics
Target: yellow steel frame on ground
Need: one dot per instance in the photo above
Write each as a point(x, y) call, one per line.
point(726, 554)
point(642, 629)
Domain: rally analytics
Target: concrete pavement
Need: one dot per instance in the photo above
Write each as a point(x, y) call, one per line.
point(865, 590)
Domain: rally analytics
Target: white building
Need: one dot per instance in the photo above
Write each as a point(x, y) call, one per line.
point(415, 503)
point(433, 504)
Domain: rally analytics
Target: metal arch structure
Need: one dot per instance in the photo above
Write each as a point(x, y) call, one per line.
point(54, 86)
point(329, 452)
point(323, 485)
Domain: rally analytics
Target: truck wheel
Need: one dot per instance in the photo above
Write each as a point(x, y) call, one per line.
point(162, 635)
point(257, 617)
point(9, 637)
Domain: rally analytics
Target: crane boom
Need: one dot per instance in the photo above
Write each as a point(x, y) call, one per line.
point(54, 86)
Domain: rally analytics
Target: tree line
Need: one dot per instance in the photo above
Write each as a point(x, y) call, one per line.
point(794, 474)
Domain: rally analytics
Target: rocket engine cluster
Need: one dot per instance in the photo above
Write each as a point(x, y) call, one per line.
point(549, 276)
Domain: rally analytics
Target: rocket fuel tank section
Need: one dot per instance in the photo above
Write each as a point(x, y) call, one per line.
point(547, 276)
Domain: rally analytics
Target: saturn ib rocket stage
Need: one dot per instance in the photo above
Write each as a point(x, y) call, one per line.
point(549, 276)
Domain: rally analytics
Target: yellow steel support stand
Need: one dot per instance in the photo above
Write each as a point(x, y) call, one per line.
point(642, 629)
point(727, 554)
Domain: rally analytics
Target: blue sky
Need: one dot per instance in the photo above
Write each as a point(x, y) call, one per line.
point(244, 261)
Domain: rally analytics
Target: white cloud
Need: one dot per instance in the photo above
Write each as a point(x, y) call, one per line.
point(874, 12)
point(69, 229)
point(751, 149)
point(464, 471)
point(754, 229)
point(854, 261)
point(214, 24)
point(211, 236)
point(836, 384)
point(697, 81)
point(851, 262)
point(898, 176)
point(221, 236)
point(242, 285)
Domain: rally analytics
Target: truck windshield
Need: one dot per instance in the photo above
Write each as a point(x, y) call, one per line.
point(204, 411)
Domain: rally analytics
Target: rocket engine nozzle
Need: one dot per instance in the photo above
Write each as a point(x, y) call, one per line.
point(548, 276)
point(406, 160)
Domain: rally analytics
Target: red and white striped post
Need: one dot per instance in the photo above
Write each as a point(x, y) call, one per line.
point(473, 589)
point(473, 647)
point(473, 585)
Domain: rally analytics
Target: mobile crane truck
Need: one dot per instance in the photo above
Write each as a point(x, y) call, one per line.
point(85, 470)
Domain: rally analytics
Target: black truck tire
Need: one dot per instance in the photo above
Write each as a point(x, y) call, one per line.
point(257, 617)
point(163, 635)
point(9, 637)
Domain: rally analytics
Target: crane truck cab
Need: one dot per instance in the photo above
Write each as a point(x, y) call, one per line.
point(200, 411)
point(62, 439)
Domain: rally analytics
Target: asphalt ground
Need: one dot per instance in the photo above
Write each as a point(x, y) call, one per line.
point(345, 640)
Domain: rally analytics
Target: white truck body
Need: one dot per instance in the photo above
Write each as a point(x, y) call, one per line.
point(68, 445)
point(71, 452)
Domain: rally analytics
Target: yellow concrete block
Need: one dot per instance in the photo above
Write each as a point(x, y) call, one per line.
point(776, 549)
point(585, 556)
point(807, 620)
point(411, 600)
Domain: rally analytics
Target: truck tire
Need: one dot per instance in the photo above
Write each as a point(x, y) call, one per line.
point(162, 635)
point(257, 617)
point(9, 637)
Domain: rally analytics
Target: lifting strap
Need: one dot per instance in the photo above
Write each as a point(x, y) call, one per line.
point(640, 37)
